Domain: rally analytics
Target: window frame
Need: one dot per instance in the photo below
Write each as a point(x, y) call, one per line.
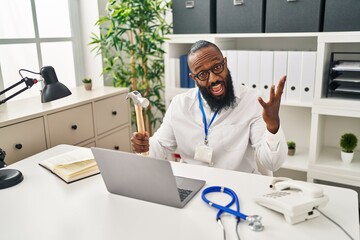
point(75, 39)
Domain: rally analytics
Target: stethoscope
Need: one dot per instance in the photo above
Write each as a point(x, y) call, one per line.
point(254, 220)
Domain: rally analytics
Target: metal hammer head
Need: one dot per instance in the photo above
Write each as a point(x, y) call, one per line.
point(138, 99)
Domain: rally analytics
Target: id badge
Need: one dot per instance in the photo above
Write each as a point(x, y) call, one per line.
point(204, 153)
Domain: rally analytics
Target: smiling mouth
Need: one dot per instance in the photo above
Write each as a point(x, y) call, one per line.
point(217, 89)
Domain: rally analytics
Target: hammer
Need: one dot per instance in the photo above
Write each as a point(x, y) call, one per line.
point(139, 103)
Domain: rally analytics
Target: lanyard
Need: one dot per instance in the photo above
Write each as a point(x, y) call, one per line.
point(206, 126)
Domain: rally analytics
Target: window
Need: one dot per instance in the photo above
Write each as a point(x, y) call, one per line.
point(37, 33)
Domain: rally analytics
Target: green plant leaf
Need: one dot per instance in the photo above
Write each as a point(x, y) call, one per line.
point(142, 21)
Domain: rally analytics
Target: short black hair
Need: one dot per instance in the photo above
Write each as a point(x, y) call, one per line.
point(202, 44)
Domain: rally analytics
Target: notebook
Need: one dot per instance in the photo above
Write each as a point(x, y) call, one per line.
point(144, 178)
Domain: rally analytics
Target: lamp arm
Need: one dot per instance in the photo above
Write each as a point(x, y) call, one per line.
point(29, 83)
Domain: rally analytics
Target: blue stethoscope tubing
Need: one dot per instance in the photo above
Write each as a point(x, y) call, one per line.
point(222, 209)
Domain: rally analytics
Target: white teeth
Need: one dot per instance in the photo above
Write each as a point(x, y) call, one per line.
point(217, 88)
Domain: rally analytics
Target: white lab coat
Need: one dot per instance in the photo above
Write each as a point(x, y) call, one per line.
point(238, 136)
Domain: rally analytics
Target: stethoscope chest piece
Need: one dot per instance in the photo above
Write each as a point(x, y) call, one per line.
point(255, 223)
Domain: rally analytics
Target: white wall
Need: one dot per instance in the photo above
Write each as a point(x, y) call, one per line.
point(89, 14)
point(90, 10)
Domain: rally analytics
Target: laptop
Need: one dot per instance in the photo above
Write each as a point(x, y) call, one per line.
point(144, 178)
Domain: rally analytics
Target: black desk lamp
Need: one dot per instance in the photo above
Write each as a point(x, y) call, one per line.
point(52, 90)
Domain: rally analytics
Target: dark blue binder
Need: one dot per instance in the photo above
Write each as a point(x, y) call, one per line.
point(184, 73)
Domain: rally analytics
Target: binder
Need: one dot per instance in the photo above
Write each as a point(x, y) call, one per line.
point(254, 69)
point(280, 69)
point(266, 73)
point(183, 71)
point(243, 67)
point(174, 80)
point(191, 82)
point(308, 76)
point(185, 80)
point(232, 64)
point(293, 77)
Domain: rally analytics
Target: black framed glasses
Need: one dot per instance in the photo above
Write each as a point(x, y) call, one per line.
point(216, 69)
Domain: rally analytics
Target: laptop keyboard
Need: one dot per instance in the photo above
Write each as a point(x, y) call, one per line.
point(183, 193)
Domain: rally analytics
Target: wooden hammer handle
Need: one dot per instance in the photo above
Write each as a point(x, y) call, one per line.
point(140, 122)
point(139, 119)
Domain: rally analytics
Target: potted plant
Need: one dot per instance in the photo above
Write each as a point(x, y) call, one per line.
point(291, 148)
point(348, 143)
point(131, 38)
point(87, 83)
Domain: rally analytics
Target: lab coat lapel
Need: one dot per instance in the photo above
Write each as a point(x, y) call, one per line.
point(194, 110)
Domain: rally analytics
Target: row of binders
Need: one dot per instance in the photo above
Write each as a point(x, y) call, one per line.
point(262, 69)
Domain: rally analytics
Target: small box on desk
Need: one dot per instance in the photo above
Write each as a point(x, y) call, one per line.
point(342, 15)
point(240, 16)
point(294, 15)
point(196, 16)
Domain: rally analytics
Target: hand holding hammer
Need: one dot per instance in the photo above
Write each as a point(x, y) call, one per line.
point(139, 103)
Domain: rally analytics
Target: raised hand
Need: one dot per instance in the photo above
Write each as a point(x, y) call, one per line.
point(271, 108)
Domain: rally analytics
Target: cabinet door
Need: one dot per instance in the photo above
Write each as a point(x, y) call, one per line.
point(119, 140)
point(71, 126)
point(23, 139)
point(111, 113)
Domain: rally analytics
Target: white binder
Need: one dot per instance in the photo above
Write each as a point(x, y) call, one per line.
point(254, 69)
point(308, 76)
point(280, 69)
point(266, 73)
point(232, 63)
point(293, 77)
point(243, 67)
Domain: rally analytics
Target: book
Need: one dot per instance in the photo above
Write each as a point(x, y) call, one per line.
point(73, 165)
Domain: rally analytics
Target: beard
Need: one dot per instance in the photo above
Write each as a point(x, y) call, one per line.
point(223, 102)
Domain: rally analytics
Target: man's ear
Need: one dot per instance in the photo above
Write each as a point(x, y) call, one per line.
point(192, 76)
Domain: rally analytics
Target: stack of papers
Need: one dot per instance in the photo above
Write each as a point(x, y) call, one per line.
point(347, 66)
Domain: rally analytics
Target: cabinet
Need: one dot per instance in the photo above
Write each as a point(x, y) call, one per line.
point(315, 125)
point(23, 139)
point(72, 126)
point(100, 117)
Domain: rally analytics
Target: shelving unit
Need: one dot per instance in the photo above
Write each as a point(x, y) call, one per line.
point(316, 127)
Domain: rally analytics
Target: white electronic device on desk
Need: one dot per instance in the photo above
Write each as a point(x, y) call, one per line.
point(297, 200)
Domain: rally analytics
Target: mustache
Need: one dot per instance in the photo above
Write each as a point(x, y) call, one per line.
point(215, 83)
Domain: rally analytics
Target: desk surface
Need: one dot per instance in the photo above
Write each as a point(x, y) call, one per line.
point(44, 207)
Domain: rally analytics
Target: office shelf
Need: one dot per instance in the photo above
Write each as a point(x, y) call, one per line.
point(298, 162)
point(315, 126)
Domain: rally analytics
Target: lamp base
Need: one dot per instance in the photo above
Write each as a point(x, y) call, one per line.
point(10, 177)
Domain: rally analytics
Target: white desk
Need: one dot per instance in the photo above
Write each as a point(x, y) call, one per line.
point(43, 207)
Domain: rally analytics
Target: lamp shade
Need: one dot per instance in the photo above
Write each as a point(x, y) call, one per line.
point(53, 89)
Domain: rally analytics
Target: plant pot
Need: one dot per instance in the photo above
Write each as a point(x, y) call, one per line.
point(347, 157)
point(291, 152)
point(88, 86)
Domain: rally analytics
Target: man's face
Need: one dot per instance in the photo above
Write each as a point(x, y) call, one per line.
point(201, 62)
point(209, 70)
